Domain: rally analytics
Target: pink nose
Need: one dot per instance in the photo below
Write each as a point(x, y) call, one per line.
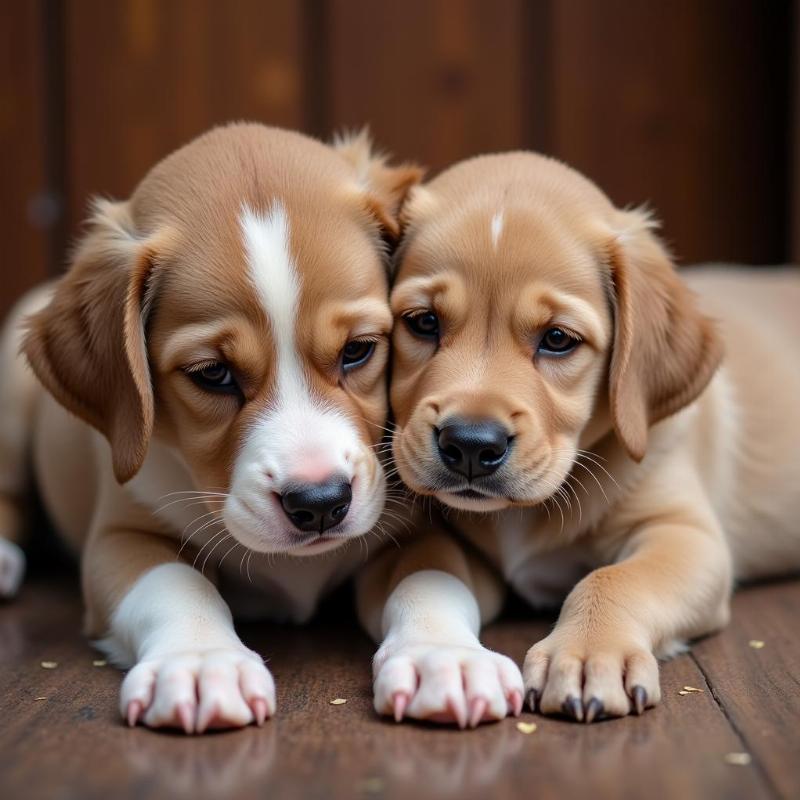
point(311, 469)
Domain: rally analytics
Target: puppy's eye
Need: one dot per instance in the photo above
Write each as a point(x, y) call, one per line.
point(214, 377)
point(356, 353)
point(557, 342)
point(424, 324)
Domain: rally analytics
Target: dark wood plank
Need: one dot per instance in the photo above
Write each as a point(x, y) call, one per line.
point(793, 153)
point(437, 80)
point(682, 105)
point(145, 77)
point(759, 689)
point(28, 210)
point(72, 744)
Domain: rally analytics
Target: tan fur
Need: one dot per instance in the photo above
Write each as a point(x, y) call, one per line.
point(667, 536)
point(160, 282)
point(91, 357)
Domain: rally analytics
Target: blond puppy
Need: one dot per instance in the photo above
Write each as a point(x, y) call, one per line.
point(564, 391)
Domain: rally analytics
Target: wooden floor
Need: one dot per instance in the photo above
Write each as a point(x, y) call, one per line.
point(60, 736)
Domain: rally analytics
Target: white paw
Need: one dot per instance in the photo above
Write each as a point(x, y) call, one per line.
point(12, 568)
point(565, 674)
point(445, 683)
point(227, 688)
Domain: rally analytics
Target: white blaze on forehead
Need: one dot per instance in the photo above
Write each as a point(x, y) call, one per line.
point(496, 228)
point(272, 270)
point(297, 436)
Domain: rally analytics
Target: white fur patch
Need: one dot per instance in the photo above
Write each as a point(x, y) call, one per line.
point(496, 228)
point(298, 438)
point(171, 608)
point(190, 669)
point(278, 284)
point(432, 604)
point(431, 663)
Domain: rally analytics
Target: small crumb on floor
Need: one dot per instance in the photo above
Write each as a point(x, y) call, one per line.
point(49, 664)
point(756, 644)
point(738, 759)
point(40, 698)
point(690, 690)
point(526, 727)
point(371, 785)
point(338, 701)
point(99, 662)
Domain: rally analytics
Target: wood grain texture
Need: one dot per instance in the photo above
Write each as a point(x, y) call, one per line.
point(793, 150)
point(143, 77)
point(72, 744)
point(437, 80)
point(759, 688)
point(681, 105)
point(28, 210)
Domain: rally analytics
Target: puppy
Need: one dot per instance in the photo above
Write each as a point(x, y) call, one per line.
point(559, 387)
point(215, 363)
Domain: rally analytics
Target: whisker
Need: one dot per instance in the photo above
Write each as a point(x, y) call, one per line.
point(191, 501)
point(200, 551)
point(577, 499)
point(235, 544)
point(195, 492)
point(202, 516)
point(211, 551)
point(595, 478)
point(600, 466)
point(195, 532)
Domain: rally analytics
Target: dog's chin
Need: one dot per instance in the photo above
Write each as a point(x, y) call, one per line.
point(294, 543)
point(322, 544)
point(480, 505)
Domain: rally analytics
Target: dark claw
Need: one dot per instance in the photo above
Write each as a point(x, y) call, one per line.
point(572, 707)
point(533, 699)
point(593, 709)
point(639, 698)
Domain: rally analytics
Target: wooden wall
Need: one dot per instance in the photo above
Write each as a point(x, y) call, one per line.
point(682, 104)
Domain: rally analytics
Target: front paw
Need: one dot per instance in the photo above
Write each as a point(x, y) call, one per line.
point(566, 674)
point(462, 684)
point(196, 691)
point(12, 568)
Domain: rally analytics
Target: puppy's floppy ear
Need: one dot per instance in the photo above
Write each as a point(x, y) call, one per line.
point(385, 188)
point(88, 347)
point(664, 351)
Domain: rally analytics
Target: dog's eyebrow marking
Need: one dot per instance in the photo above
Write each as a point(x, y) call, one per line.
point(273, 273)
point(496, 228)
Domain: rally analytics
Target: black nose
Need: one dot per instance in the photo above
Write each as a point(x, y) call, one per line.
point(317, 506)
point(473, 449)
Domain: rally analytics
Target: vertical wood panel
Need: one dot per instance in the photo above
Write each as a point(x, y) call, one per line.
point(145, 76)
point(437, 80)
point(26, 212)
point(682, 104)
point(793, 151)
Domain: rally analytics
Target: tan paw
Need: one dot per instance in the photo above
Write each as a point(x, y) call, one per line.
point(199, 691)
point(465, 685)
point(587, 681)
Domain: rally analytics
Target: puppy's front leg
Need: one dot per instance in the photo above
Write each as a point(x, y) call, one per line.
point(165, 620)
point(426, 606)
point(672, 582)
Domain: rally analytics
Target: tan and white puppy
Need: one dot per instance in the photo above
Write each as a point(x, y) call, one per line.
point(225, 331)
point(556, 383)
